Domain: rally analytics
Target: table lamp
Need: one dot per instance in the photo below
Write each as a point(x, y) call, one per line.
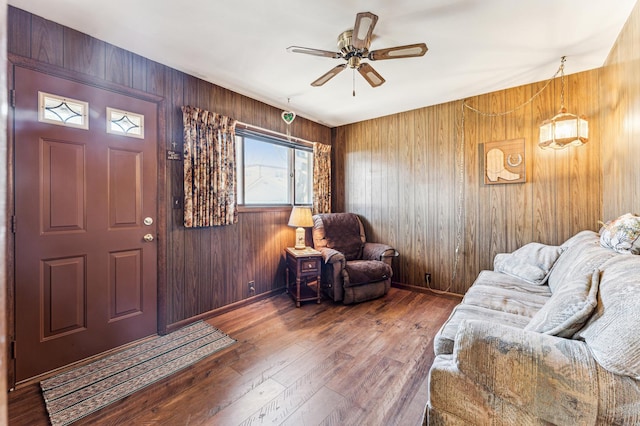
point(300, 218)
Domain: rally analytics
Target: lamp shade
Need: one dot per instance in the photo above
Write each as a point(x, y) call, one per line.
point(563, 130)
point(301, 218)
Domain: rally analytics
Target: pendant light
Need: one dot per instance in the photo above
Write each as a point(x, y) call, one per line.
point(564, 129)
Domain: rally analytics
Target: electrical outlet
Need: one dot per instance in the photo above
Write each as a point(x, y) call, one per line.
point(252, 286)
point(427, 278)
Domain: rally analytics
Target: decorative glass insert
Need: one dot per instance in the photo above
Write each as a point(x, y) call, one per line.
point(63, 111)
point(125, 123)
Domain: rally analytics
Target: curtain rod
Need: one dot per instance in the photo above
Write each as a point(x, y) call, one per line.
point(273, 132)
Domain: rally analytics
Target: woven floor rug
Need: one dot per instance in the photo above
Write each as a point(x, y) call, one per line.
point(74, 394)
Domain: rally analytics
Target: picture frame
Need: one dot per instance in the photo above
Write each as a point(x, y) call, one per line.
point(504, 162)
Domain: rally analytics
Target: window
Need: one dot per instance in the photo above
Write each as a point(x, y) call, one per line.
point(125, 123)
point(62, 111)
point(273, 171)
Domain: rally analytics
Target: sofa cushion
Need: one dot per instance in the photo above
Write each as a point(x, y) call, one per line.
point(568, 308)
point(622, 234)
point(366, 271)
point(531, 262)
point(613, 331)
point(507, 282)
point(580, 258)
point(444, 339)
point(513, 301)
point(580, 238)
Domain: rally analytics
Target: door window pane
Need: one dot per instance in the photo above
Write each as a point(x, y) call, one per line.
point(125, 123)
point(63, 111)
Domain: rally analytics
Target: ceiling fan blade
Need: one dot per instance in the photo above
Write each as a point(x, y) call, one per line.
point(408, 51)
point(363, 29)
point(314, 52)
point(329, 75)
point(371, 75)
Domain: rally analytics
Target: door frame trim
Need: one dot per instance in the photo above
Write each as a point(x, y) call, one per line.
point(13, 61)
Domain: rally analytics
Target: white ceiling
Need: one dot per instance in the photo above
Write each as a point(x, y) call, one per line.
point(475, 46)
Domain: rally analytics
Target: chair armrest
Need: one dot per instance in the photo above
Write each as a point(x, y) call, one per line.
point(331, 256)
point(551, 377)
point(378, 251)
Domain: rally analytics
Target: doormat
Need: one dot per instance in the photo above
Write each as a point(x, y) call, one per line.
point(71, 395)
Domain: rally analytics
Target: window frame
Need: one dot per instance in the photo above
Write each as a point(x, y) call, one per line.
point(291, 190)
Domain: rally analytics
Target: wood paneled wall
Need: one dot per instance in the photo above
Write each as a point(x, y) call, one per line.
point(620, 115)
point(205, 268)
point(403, 173)
point(406, 174)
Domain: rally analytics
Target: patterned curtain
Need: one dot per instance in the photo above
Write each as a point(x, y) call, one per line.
point(209, 169)
point(321, 178)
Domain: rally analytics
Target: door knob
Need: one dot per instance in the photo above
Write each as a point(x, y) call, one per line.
point(148, 221)
point(148, 238)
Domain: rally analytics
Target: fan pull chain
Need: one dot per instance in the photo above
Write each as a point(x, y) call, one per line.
point(354, 82)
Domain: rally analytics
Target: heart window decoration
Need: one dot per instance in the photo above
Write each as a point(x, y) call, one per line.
point(288, 116)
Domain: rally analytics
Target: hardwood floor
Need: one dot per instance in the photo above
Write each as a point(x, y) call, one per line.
point(326, 364)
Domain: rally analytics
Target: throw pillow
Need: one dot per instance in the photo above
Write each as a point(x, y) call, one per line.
point(612, 332)
point(569, 308)
point(531, 262)
point(622, 234)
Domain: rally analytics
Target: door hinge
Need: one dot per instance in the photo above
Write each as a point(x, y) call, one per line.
point(13, 349)
point(12, 97)
point(13, 224)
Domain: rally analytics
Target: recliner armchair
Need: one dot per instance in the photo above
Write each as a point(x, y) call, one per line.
point(353, 270)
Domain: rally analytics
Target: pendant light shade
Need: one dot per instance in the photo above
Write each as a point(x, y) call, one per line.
point(563, 129)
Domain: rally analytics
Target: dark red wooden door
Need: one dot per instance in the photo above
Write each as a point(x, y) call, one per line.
point(86, 277)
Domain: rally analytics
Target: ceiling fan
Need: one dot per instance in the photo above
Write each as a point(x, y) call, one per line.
point(354, 48)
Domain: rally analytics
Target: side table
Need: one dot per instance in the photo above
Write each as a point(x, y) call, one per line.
point(305, 265)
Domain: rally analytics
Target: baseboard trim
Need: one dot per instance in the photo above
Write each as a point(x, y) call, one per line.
point(426, 290)
point(224, 309)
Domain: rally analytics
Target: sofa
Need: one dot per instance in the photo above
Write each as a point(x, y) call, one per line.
point(551, 335)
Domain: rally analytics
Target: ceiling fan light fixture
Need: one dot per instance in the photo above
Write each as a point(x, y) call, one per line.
point(354, 62)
